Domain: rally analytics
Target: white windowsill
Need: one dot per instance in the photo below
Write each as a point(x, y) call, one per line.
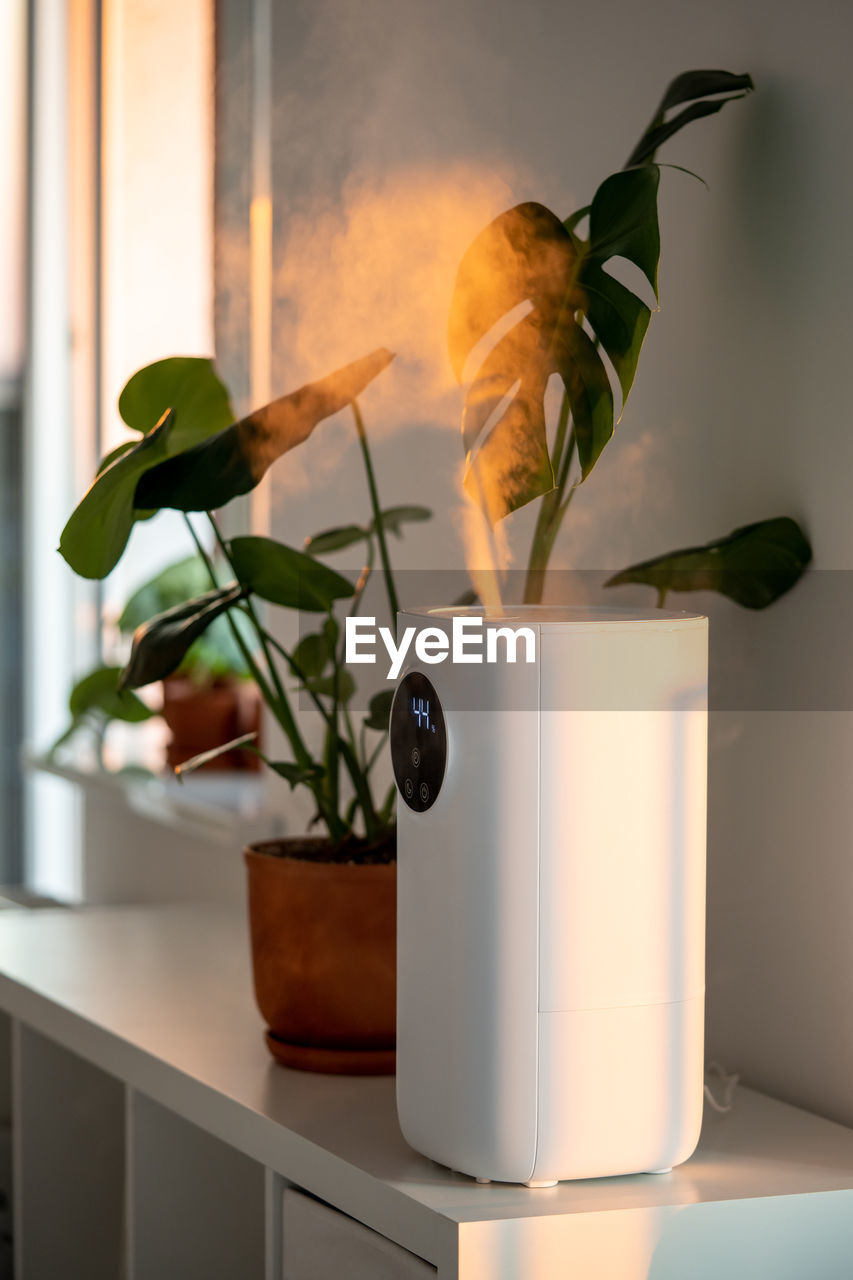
point(226, 808)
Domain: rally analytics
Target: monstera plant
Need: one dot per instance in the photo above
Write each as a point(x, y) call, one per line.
point(541, 284)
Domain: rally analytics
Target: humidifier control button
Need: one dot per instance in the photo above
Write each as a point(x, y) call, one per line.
point(418, 741)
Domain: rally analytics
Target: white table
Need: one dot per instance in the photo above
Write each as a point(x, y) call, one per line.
point(154, 1137)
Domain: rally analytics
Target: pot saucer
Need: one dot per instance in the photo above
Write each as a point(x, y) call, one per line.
point(345, 1062)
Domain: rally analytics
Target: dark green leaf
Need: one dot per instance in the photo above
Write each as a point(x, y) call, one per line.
point(174, 585)
point(296, 774)
point(235, 459)
point(327, 686)
point(187, 384)
point(115, 454)
point(216, 653)
point(99, 527)
point(590, 397)
point(244, 742)
point(623, 220)
point(393, 518)
point(379, 711)
point(702, 84)
point(160, 645)
point(313, 654)
point(618, 318)
point(690, 86)
point(99, 691)
point(573, 219)
point(753, 566)
point(345, 535)
point(283, 576)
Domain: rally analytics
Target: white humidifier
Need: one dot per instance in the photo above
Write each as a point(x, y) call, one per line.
point(551, 892)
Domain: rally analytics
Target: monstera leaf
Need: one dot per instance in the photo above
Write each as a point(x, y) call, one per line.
point(233, 461)
point(753, 566)
point(574, 308)
point(188, 460)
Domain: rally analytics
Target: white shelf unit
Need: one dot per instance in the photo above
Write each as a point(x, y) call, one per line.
point(154, 1137)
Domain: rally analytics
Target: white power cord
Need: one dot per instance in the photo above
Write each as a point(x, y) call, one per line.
point(729, 1082)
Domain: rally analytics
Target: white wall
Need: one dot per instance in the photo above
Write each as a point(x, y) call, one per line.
point(739, 411)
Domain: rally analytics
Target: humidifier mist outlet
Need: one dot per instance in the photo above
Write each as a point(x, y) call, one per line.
point(551, 891)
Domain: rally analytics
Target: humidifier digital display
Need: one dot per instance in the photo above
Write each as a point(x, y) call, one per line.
point(418, 741)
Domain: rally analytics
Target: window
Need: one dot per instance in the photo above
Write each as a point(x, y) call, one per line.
point(121, 250)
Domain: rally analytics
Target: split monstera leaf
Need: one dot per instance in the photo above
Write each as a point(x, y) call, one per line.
point(543, 294)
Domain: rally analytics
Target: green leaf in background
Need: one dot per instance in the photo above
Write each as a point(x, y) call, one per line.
point(99, 691)
point(174, 585)
point(160, 645)
point(234, 460)
point(345, 535)
point(393, 518)
point(216, 654)
point(296, 774)
point(694, 87)
point(325, 685)
point(99, 527)
point(313, 654)
point(187, 384)
point(753, 566)
point(379, 711)
point(283, 576)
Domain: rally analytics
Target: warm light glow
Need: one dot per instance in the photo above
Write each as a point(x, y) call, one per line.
point(378, 269)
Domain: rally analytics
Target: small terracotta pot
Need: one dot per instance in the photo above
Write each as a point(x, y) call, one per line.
point(323, 937)
point(203, 716)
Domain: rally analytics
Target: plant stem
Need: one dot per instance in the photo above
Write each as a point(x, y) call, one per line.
point(393, 602)
point(358, 777)
point(277, 701)
point(261, 634)
point(257, 676)
point(551, 509)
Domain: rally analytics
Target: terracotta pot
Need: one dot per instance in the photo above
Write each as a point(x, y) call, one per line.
point(323, 939)
point(203, 716)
